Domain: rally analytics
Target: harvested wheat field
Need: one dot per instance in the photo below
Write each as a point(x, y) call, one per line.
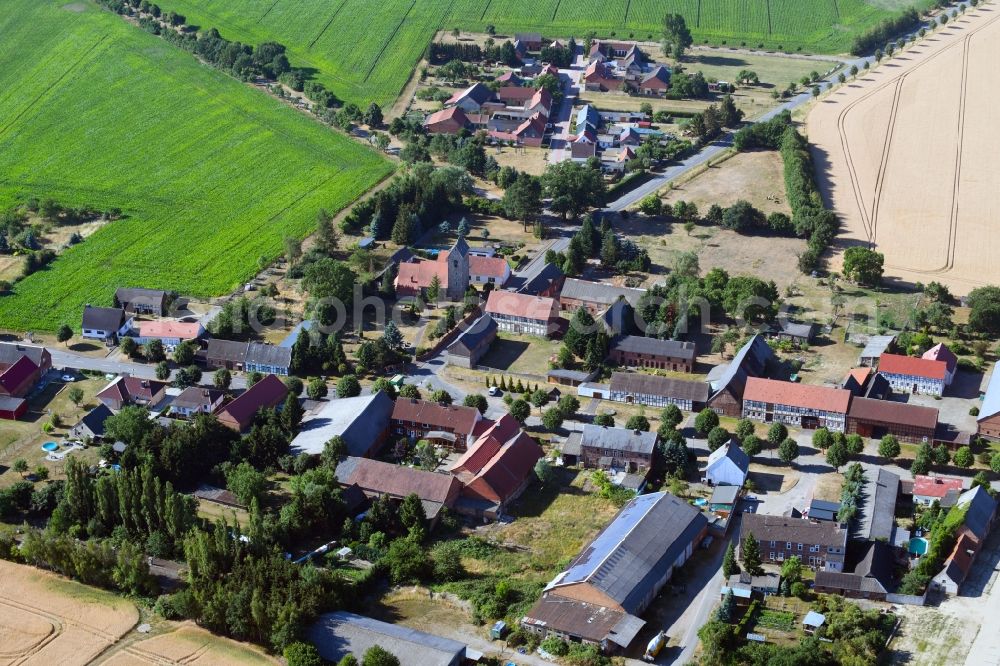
point(188, 644)
point(46, 619)
point(907, 156)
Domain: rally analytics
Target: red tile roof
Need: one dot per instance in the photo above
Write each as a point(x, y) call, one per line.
point(458, 418)
point(860, 375)
point(964, 552)
point(374, 476)
point(515, 95)
point(495, 267)
point(169, 329)
point(499, 463)
point(13, 377)
point(808, 396)
point(522, 305)
point(268, 392)
point(935, 486)
point(419, 274)
point(543, 97)
point(129, 389)
point(940, 352)
point(897, 364)
point(452, 113)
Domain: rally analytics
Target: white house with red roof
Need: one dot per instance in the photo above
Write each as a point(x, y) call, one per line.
point(170, 333)
point(940, 352)
point(909, 374)
point(800, 405)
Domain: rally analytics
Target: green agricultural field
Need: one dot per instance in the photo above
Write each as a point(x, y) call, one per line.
point(366, 51)
point(210, 173)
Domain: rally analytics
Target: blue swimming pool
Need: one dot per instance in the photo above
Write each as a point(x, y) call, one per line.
point(50, 446)
point(918, 546)
point(701, 501)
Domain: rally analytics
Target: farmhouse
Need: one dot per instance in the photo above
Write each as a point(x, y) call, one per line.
point(617, 448)
point(820, 544)
point(265, 394)
point(728, 381)
point(942, 489)
point(656, 391)
point(21, 368)
point(800, 405)
point(487, 270)
point(988, 421)
point(339, 634)
point(522, 313)
point(940, 352)
point(908, 374)
point(876, 418)
point(436, 491)
point(142, 301)
point(728, 465)
point(473, 343)
point(531, 40)
point(170, 333)
point(447, 121)
point(595, 296)
point(599, 77)
point(362, 422)
point(871, 577)
point(106, 324)
point(472, 99)
point(450, 425)
point(598, 598)
point(637, 351)
point(980, 513)
point(197, 400)
point(92, 424)
point(125, 390)
point(249, 356)
point(496, 469)
point(655, 83)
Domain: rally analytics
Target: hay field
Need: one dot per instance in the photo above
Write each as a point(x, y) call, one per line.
point(46, 619)
point(188, 644)
point(907, 156)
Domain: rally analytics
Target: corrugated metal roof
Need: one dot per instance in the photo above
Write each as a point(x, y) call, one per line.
point(638, 547)
point(360, 421)
point(598, 292)
point(991, 401)
point(341, 633)
point(750, 361)
point(876, 345)
point(639, 383)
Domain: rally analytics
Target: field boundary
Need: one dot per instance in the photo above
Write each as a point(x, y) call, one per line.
point(273, 5)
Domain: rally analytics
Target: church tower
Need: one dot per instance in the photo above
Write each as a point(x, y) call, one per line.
point(458, 270)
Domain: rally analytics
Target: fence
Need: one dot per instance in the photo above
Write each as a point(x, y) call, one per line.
point(908, 599)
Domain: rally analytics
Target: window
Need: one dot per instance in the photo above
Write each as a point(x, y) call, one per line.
point(800, 547)
point(788, 545)
point(772, 544)
point(771, 557)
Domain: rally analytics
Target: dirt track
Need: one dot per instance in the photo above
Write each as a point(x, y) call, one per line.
point(907, 155)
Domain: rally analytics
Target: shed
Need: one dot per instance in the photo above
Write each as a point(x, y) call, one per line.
point(813, 621)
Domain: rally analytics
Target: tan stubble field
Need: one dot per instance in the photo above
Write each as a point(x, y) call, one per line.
point(909, 156)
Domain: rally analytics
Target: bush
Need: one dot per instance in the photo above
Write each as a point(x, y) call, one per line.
point(556, 646)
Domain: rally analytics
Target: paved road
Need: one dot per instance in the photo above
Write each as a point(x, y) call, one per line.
point(62, 358)
point(985, 600)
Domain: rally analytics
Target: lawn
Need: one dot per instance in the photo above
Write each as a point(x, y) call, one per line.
point(366, 52)
point(210, 174)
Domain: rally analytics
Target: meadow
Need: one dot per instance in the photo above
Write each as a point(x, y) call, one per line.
point(210, 173)
point(364, 52)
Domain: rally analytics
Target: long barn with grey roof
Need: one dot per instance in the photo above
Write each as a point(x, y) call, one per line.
point(612, 581)
point(339, 634)
point(728, 381)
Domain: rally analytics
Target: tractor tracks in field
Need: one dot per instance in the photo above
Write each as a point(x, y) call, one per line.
point(870, 221)
point(395, 31)
point(76, 63)
point(325, 27)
